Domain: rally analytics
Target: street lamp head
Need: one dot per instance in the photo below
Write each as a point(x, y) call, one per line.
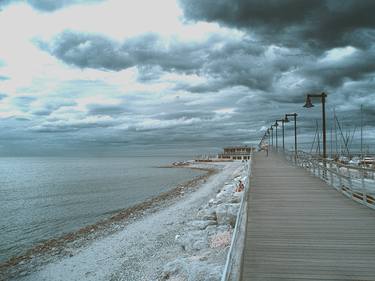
point(308, 103)
point(276, 124)
point(286, 119)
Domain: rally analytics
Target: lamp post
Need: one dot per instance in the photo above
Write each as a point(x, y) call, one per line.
point(271, 135)
point(262, 140)
point(309, 104)
point(294, 115)
point(276, 125)
point(282, 126)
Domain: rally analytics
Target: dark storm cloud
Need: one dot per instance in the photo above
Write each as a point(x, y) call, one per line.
point(254, 67)
point(95, 51)
point(225, 62)
point(286, 49)
point(147, 73)
point(292, 22)
point(353, 67)
point(87, 50)
point(49, 5)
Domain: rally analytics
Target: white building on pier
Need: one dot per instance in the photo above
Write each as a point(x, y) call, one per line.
point(236, 153)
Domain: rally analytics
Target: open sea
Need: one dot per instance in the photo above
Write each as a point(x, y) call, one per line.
point(43, 198)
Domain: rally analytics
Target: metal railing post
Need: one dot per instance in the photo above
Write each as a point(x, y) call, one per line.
point(330, 173)
point(364, 192)
point(349, 180)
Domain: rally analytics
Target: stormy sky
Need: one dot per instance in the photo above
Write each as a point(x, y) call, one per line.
point(111, 77)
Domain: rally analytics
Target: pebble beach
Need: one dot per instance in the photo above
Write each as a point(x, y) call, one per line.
point(184, 236)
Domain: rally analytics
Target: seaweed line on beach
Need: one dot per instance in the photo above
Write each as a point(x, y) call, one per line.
point(59, 247)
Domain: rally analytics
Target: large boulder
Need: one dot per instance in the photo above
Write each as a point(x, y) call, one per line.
point(207, 213)
point(191, 269)
point(221, 239)
point(193, 240)
point(236, 197)
point(225, 193)
point(201, 224)
point(227, 214)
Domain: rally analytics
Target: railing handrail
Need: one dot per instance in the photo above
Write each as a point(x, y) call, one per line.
point(240, 214)
point(301, 153)
point(353, 185)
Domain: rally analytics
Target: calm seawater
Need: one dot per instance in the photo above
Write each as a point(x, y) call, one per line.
point(43, 198)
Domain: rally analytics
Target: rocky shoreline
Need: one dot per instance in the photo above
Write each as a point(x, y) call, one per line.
point(207, 236)
point(181, 235)
point(56, 248)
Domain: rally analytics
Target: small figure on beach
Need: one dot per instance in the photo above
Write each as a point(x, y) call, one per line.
point(240, 186)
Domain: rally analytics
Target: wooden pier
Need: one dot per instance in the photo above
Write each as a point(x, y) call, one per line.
point(300, 228)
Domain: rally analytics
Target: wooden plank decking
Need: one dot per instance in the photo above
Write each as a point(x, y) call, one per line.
point(299, 228)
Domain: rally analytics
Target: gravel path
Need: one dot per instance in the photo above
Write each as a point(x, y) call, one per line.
point(142, 248)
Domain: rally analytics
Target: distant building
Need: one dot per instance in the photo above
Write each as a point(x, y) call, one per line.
point(236, 153)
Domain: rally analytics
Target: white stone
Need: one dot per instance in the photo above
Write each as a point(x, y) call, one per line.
point(207, 214)
point(191, 269)
point(236, 197)
point(193, 240)
point(202, 224)
point(227, 214)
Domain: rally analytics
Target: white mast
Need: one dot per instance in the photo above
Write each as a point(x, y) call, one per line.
point(361, 131)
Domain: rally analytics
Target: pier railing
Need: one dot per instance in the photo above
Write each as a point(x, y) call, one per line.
point(233, 266)
point(357, 183)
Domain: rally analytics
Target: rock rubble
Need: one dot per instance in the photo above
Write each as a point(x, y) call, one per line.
point(207, 237)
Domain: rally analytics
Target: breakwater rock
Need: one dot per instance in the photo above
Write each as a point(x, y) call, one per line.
point(206, 238)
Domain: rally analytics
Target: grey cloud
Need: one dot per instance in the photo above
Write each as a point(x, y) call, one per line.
point(23, 119)
point(110, 110)
point(48, 107)
point(24, 102)
point(257, 81)
point(49, 5)
point(61, 126)
point(334, 73)
point(42, 112)
point(147, 73)
point(225, 62)
point(292, 22)
point(195, 123)
point(148, 50)
point(187, 114)
point(4, 78)
point(2, 96)
point(87, 50)
point(248, 66)
point(259, 77)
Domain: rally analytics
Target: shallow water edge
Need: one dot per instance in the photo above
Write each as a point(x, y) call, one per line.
point(55, 248)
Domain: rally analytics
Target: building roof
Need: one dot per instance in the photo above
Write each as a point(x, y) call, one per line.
point(236, 147)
